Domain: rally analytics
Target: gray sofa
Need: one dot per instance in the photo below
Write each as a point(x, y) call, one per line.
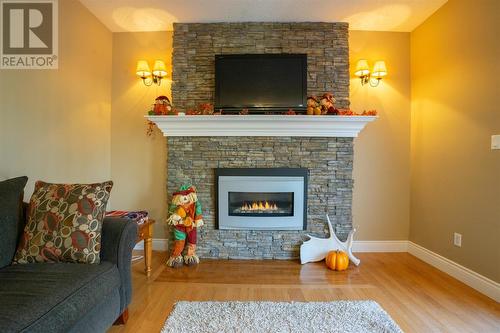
point(67, 297)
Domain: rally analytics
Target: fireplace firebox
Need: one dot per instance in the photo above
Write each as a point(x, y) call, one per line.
point(261, 198)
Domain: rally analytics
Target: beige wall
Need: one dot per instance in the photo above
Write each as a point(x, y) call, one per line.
point(54, 124)
point(381, 172)
point(138, 162)
point(455, 109)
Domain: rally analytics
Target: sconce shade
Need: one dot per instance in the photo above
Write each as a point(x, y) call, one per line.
point(379, 69)
point(159, 69)
point(143, 69)
point(362, 68)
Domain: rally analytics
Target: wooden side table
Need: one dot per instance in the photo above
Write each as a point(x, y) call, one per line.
point(145, 233)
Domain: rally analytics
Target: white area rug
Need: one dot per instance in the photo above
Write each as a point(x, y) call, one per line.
point(339, 316)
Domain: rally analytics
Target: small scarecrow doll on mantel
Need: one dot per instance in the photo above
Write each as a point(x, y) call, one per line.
point(185, 217)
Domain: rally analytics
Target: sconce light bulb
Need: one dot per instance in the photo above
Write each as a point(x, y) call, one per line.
point(379, 69)
point(362, 68)
point(159, 69)
point(143, 70)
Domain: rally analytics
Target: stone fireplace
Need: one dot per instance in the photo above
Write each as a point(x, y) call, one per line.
point(329, 187)
point(324, 148)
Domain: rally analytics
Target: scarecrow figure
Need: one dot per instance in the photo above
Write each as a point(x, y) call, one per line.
point(185, 217)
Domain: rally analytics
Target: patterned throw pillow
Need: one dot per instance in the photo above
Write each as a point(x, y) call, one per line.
point(64, 223)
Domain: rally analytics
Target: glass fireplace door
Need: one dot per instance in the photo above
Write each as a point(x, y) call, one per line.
point(260, 204)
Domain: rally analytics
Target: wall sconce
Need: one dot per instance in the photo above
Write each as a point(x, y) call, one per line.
point(373, 78)
point(148, 78)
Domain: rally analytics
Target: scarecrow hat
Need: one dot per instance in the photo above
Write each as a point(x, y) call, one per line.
point(185, 190)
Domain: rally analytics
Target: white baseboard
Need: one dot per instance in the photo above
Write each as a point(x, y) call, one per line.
point(474, 280)
point(380, 246)
point(159, 244)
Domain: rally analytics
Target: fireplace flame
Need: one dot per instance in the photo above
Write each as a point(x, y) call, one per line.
point(259, 206)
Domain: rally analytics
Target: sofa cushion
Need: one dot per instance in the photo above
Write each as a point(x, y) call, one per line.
point(54, 296)
point(11, 191)
point(64, 223)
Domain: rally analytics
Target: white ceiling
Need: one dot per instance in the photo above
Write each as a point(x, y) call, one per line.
point(158, 15)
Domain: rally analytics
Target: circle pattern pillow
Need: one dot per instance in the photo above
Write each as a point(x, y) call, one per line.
point(64, 223)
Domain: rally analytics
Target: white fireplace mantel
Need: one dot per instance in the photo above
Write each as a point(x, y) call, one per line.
point(262, 125)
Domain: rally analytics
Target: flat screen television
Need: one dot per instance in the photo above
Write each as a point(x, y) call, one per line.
point(261, 82)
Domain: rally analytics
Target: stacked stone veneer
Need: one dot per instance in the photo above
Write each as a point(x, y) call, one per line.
point(196, 44)
point(329, 160)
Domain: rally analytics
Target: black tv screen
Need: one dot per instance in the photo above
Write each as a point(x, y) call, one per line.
point(261, 82)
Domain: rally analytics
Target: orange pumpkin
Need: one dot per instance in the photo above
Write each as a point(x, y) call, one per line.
point(337, 260)
point(342, 261)
point(331, 260)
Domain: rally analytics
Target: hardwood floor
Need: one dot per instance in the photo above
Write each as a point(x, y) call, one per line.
point(417, 296)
